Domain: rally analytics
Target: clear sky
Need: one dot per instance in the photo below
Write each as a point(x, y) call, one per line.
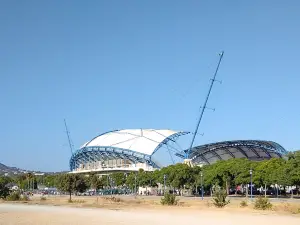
point(106, 65)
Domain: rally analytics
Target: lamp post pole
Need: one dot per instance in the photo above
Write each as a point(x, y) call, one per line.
point(164, 183)
point(135, 184)
point(251, 186)
point(111, 184)
point(125, 184)
point(201, 174)
point(107, 187)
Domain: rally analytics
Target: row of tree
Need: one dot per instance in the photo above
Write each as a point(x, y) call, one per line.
point(227, 174)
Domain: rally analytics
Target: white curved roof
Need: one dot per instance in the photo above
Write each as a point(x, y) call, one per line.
point(139, 140)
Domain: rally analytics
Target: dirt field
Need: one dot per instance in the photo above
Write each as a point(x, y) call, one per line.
point(93, 210)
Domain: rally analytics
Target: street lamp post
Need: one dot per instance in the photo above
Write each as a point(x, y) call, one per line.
point(201, 174)
point(135, 184)
point(111, 186)
point(251, 186)
point(107, 187)
point(125, 192)
point(164, 183)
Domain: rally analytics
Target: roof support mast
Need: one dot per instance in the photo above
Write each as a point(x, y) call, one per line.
point(204, 106)
point(69, 139)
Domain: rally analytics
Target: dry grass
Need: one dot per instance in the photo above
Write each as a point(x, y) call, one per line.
point(293, 208)
point(139, 202)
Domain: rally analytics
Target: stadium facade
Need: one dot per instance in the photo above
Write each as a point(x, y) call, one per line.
point(134, 149)
point(123, 150)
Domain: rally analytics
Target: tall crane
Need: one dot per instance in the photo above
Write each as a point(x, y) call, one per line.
point(187, 154)
point(69, 139)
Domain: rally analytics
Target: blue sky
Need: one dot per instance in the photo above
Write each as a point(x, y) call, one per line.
point(106, 65)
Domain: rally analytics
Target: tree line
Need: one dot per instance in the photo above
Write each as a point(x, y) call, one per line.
point(226, 174)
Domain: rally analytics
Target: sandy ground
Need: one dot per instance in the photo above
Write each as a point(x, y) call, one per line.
point(20, 214)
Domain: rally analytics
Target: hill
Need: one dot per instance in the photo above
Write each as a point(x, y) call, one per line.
point(10, 171)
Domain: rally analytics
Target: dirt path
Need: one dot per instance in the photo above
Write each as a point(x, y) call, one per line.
point(17, 214)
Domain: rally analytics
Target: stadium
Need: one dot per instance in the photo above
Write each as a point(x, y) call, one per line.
point(134, 149)
point(125, 150)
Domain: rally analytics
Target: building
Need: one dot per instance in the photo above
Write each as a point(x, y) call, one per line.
point(123, 151)
point(251, 149)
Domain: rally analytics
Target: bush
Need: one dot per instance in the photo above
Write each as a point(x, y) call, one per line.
point(14, 196)
point(244, 203)
point(24, 198)
point(4, 191)
point(219, 197)
point(262, 203)
point(169, 199)
point(76, 201)
point(112, 199)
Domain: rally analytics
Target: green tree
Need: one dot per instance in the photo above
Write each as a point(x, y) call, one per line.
point(178, 176)
point(266, 172)
point(4, 191)
point(132, 181)
point(292, 168)
point(72, 183)
point(95, 182)
point(118, 178)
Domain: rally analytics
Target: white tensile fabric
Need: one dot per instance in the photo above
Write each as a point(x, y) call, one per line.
point(139, 140)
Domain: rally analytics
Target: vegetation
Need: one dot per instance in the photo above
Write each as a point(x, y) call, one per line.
point(219, 197)
point(4, 191)
point(112, 199)
point(14, 196)
point(225, 174)
point(244, 203)
point(78, 201)
point(72, 183)
point(262, 203)
point(24, 198)
point(169, 199)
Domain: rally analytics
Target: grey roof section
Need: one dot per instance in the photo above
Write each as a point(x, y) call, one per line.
point(252, 149)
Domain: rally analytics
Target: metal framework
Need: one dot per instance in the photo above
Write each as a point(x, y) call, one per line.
point(213, 80)
point(90, 154)
point(251, 149)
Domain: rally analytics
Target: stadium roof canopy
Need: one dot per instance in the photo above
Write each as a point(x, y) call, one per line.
point(250, 149)
point(136, 145)
point(143, 141)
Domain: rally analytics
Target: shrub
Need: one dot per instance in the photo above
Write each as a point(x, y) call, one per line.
point(76, 201)
point(244, 203)
point(169, 199)
point(4, 191)
point(24, 198)
point(14, 196)
point(262, 203)
point(219, 197)
point(112, 199)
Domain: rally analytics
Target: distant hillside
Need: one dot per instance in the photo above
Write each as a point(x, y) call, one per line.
point(7, 170)
point(10, 170)
point(3, 167)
